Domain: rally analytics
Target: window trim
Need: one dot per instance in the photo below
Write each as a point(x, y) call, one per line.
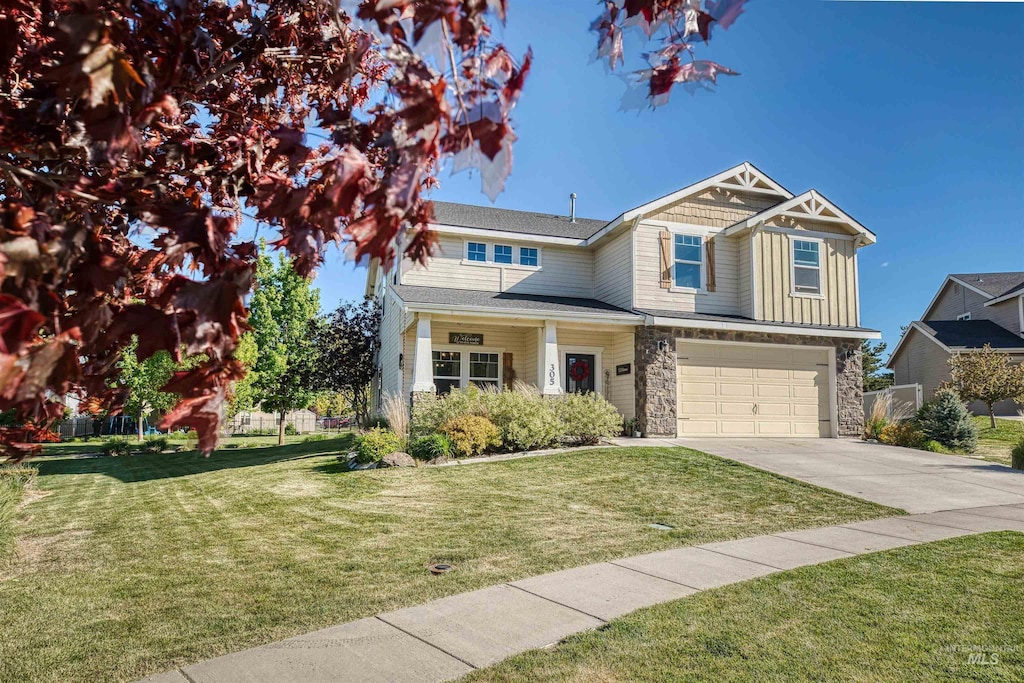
point(465, 252)
point(703, 262)
point(489, 255)
point(511, 254)
point(964, 316)
point(820, 294)
point(465, 350)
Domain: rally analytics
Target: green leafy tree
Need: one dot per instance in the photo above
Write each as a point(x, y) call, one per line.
point(876, 377)
point(348, 341)
point(145, 380)
point(243, 395)
point(282, 314)
point(988, 376)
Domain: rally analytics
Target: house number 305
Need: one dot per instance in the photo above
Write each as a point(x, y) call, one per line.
point(551, 375)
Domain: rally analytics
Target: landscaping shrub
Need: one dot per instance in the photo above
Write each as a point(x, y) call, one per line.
point(290, 430)
point(471, 434)
point(395, 410)
point(587, 418)
point(1017, 456)
point(525, 419)
point(431, 412)
point(430, 447)
point(116, 447)
point(903, 433)
point(373, 445)
point(945, 419)
point(934, 447)
point(155, 444)
point(376, 422)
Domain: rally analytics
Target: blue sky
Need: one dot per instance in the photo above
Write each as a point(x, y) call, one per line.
point(908, 115)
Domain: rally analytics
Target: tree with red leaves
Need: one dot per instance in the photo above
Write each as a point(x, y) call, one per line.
point(135, 135)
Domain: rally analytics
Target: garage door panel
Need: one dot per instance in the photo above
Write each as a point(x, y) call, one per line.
point(739, 390)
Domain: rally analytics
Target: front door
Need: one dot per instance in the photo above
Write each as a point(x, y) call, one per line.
point(580, 371)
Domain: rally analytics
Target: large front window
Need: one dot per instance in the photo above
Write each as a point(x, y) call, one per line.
point(447, 371)
point(688, 256)
point(806, 267)
point(483, 369)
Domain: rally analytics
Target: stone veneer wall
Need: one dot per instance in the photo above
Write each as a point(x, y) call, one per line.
point(656, 374)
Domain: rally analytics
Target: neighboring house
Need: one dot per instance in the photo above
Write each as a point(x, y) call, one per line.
point(727, 308)
point(969, 311)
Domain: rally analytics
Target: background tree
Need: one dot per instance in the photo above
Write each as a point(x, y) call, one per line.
point(136, 134)
point(144, 381)
point(332, 404)
point(348, 343)
point(876, 377)
point(282, 313)
point(988, 376)
point(242, 394)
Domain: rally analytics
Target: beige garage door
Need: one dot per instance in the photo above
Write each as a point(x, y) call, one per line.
point(740, 390)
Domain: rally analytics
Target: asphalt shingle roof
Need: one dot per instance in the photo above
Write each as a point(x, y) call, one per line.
point(996, 284)
point(973, 334)
point(741, 319)
point(525, 222)
point(411, 294)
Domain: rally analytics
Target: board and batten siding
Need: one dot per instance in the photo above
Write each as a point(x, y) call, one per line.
point(567, 271)
point(613, 270)
point(774, 299)
point(745, 296)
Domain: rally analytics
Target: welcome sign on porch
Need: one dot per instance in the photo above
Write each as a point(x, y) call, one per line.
point(466, 338)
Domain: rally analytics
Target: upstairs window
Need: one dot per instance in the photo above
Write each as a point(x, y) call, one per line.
point(806, 267)
point(964, 316)
point(529, 256)
point(502, 253)
point(476, 251)
point(688, 260)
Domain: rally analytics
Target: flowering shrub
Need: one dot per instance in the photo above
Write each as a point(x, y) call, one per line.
point(471, 434)
point(374, 444)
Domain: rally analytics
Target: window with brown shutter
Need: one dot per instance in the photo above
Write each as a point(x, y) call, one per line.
point(709, 248)
point(666, 259)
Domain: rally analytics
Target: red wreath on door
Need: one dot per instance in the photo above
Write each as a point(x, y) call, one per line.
point(579, 371)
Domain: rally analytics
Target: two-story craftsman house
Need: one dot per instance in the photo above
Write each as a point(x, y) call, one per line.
point(727, 308)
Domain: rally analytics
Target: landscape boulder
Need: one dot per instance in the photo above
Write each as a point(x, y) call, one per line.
point(397, 459)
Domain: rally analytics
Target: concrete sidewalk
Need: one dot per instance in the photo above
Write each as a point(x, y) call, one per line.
point(904, 478)
point(447, 638)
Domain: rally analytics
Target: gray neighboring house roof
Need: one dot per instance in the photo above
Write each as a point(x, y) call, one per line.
point(741, 319)
point(995, 284)
point(525, 222)
point(972, 334)
point(443, 296)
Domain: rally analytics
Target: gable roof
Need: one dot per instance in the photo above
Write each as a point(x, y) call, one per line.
point(962, 335)
point(810, 205)
point(508, 220)
point(742, 178)
point(994, 284)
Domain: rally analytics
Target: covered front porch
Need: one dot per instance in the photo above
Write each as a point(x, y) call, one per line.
point(447, 350)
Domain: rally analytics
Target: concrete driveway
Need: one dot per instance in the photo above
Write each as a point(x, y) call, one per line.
point(915, 481)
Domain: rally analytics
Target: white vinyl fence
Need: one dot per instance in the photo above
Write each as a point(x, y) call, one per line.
point(901, 394)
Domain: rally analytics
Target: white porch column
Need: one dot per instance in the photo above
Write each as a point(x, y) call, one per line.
point(423, 365)
point(549, 379)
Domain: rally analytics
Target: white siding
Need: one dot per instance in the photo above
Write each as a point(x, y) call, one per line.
point(567, 271)
point(391, 342)
point(650, 295)
point(613, 268)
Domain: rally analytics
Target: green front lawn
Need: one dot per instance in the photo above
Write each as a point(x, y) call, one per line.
point(910, 614)
point(130, 566)
point(995, 444)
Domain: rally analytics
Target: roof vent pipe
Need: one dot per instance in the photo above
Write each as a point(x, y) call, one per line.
point(572, 208)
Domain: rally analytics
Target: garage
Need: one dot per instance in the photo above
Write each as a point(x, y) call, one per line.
point(756, 390)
